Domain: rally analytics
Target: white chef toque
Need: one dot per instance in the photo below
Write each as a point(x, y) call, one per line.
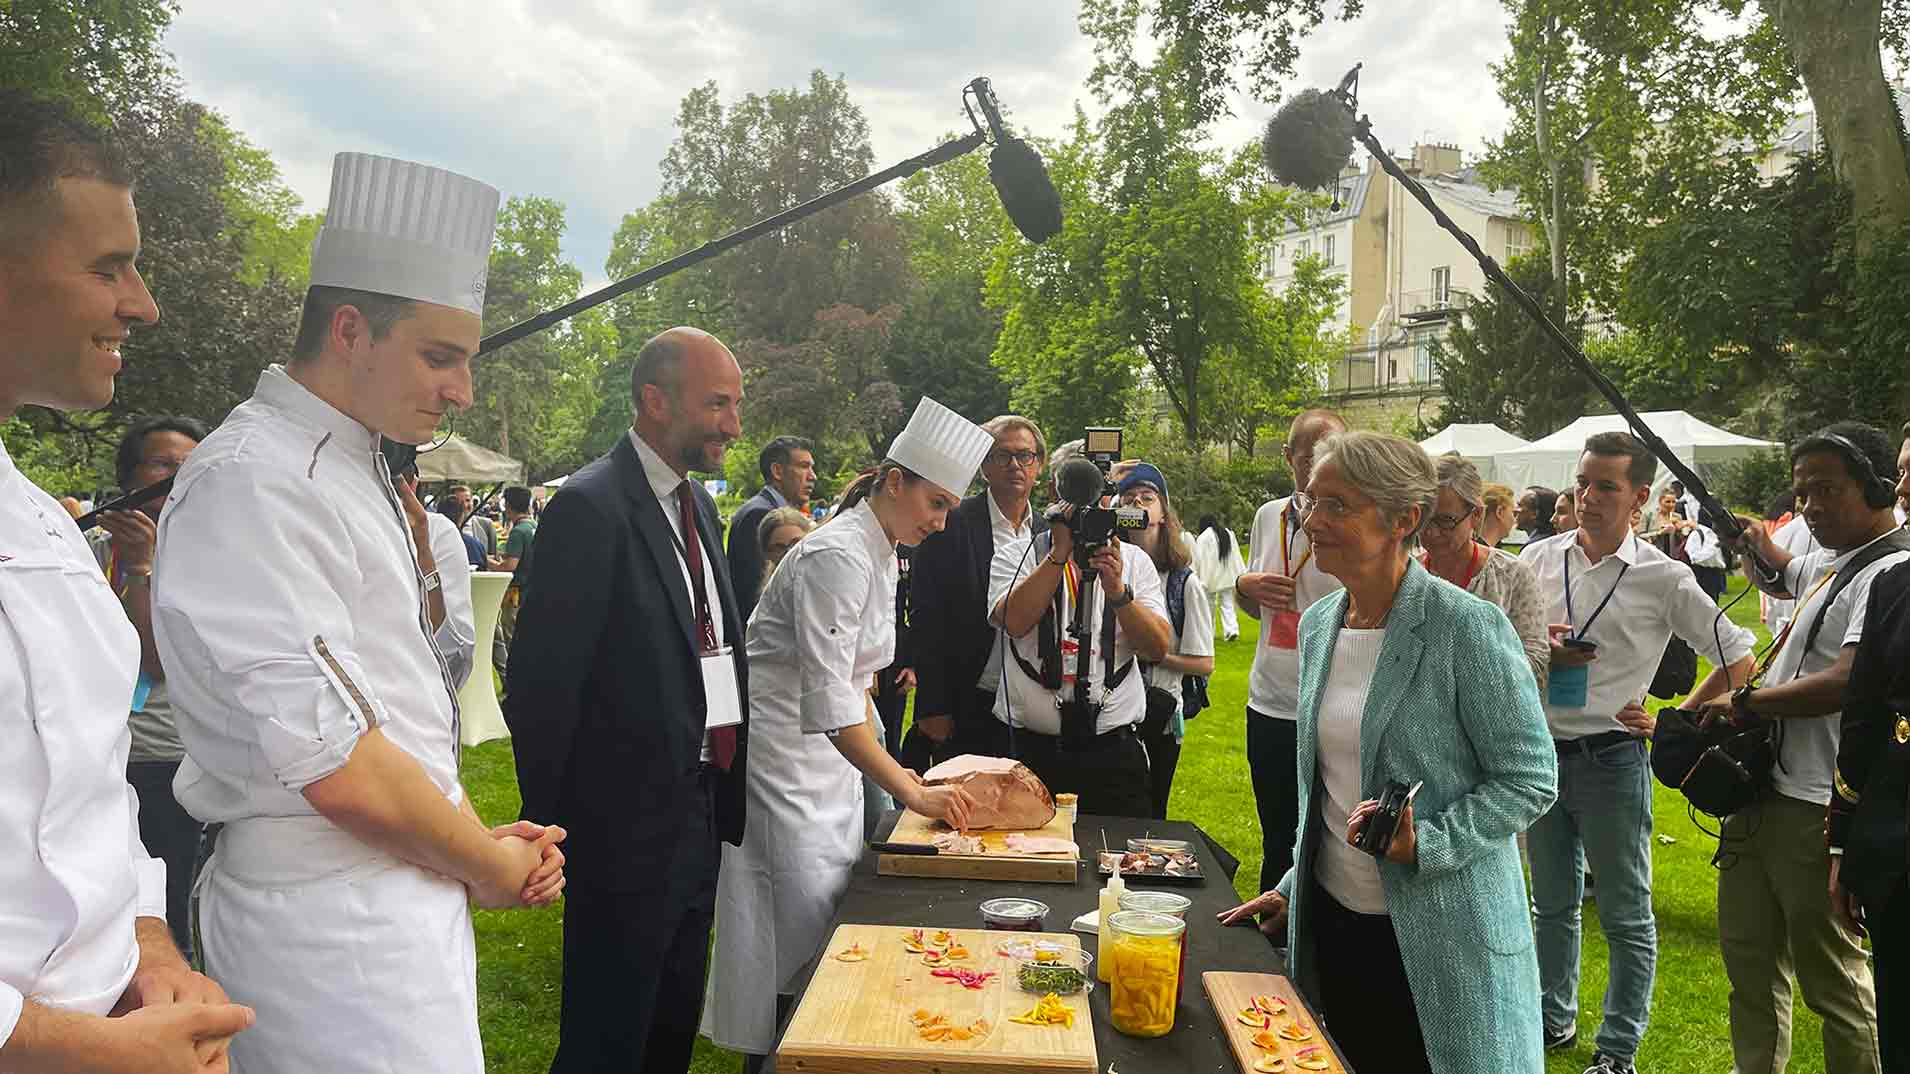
point(942, 446)
point(406, 230)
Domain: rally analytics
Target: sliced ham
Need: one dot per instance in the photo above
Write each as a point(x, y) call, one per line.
point(1040, 844)
point(1007, 794)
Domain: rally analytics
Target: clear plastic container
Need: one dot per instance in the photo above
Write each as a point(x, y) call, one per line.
point(1066, 972)
point(1143, 956)
point(1014, 915)
point(1171, 905)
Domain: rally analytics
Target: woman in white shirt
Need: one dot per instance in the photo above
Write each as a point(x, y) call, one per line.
point(1191, 652)
point(1218, 565)
point(1419, 957)
point(824, 627)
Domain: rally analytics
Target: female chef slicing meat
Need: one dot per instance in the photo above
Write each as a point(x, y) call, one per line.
point(824, 627)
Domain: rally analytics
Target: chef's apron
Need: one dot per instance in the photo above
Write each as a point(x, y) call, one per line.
point(354, 960)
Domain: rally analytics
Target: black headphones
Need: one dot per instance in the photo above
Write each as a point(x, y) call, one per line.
point(1879, 492)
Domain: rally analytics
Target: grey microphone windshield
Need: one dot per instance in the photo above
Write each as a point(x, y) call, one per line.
point(1309, 140)
point(1080, 482)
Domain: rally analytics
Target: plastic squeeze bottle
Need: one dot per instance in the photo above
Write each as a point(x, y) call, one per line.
point(1110, 904)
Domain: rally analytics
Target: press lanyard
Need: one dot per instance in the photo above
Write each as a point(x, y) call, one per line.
point(1288, 567)
point(1777, 647)
point(1569, 618)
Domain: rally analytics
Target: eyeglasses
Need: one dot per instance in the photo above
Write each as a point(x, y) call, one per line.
point(1332, 505)
point(1448, 523)
point(1019, 459)
point(1141, 497)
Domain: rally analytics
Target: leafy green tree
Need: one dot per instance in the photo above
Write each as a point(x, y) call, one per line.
point(102, 56)
point(534, 398)
point(1495, 366)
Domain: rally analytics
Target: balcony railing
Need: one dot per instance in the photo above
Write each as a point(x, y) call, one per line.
point(1433, 303)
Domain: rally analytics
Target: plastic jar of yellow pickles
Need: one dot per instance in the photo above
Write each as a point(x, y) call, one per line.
point(1144, 964)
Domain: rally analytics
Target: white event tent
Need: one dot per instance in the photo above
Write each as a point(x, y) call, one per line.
point(1478, 443)
point(1552, 461)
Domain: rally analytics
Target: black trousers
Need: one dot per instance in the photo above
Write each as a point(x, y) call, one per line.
point(172, 835)
point(1273, 757)
point(634, 963)
point(1110, 773)
point(976, 731)
point(1889, 928)
point(1163, 756)
point(1363, 988)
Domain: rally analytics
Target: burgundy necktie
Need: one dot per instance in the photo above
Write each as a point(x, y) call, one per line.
point(722, 739)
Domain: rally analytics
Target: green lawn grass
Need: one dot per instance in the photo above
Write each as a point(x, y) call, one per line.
point(519, 953)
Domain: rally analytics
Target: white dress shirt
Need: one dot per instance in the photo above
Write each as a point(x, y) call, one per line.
point(1006, 534)
point(1657, 597)
point(1809, 749)
point(290, 613)
point(457, 635)
point(1024, 702)
point(665, 482)
point(73, 874)
point(1274, 688)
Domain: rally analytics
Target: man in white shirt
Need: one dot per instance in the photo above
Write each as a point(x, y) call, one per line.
point(1795, 539)
point(1614, 601)
point(1775, 910)
point(1281, 582)
point(304, 651)
point(82, 907)
point(1096, 751)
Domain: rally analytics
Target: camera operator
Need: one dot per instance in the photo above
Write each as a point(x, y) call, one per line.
point(1775, 898)
point(1093, 751)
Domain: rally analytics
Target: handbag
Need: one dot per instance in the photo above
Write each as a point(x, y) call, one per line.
point(1161, 705)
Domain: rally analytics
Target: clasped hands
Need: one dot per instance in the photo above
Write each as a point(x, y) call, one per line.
point(535, 876)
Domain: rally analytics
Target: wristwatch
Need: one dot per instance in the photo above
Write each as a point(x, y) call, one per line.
point(1126, 598)
point(432, 583)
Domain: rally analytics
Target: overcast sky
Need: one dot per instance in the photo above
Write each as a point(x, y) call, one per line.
point(576, 99)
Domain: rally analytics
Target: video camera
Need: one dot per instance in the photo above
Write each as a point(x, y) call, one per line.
point(1082, 482)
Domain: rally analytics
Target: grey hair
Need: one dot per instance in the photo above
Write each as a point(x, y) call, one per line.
point(1002, 423)
point(1462, 478)
point(1394, 471)
point(1067, 451)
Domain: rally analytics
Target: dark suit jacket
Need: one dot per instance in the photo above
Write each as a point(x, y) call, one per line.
point(950, 640)
point(605, 693)
point(1869, 820)
point(745, 553)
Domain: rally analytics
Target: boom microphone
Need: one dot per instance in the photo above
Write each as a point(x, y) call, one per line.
point(1309, 140)
point(1021, 179)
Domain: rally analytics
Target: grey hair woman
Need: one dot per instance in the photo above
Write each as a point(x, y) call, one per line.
point(1490, 574)
point(1418, 953)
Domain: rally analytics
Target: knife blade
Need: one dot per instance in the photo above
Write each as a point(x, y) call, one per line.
point(904, 848)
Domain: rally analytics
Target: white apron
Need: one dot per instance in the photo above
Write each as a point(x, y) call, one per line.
point(777, 893)
point(289, 901)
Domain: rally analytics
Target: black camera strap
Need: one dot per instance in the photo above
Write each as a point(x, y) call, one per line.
point(1048, 637)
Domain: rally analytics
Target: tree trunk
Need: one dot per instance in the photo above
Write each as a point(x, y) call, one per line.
point(1836, 45)
point(504, 430)
point(1553, 221)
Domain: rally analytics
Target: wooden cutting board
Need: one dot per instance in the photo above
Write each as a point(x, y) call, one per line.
point(855, 1017)
point(1230, 993)
point(997, 863)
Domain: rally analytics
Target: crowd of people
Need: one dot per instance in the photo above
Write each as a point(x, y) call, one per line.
point(705, 725)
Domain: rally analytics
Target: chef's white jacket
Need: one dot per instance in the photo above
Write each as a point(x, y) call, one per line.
point(73, 874)
point(289, 611)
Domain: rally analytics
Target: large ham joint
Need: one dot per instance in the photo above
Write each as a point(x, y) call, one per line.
point(1007, 794)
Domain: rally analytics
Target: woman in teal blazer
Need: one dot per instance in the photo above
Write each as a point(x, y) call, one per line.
point(1422, 960)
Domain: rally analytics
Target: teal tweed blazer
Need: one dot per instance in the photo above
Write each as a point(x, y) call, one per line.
point(1453, 703)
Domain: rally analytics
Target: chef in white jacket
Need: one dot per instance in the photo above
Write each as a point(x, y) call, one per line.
point(824, 627)
point(317, 709)
point(82, 907)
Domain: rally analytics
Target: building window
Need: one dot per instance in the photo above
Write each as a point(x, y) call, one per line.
point(1422, 360)
point(1326, 250)
point(1518, 242)
point(1299, 249)
point(1441, 285)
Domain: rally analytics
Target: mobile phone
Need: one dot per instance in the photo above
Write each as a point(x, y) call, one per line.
point(1579, 643)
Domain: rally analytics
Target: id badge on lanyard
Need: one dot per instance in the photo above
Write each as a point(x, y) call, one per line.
point(1568, 686)
point(723, 706)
